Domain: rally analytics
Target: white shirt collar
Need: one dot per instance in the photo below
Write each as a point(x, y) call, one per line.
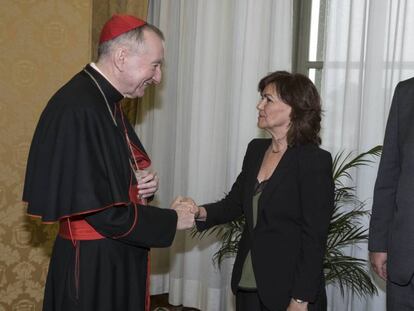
point(93, 65)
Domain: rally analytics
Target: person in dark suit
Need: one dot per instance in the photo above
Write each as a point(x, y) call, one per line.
point(286, 193)
point(391, 235)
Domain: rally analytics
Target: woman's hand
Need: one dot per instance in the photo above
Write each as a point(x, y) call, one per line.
point(296, 306)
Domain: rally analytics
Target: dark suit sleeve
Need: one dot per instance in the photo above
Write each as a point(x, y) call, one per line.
point(144, 226)
point(384, 203)
point(229, 208)
point(317, 202)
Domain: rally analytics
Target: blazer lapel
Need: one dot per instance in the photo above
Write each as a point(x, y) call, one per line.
point(251, 179)
point(278, 175)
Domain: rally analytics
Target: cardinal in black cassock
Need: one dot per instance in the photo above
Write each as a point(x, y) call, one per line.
point(80, 172)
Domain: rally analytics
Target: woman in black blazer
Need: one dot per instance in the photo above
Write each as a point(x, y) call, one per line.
point(286, 192)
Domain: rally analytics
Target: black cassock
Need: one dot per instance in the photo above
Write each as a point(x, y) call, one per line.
point(79, 167)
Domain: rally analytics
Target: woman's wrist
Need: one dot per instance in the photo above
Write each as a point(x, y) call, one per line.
point(201, 214)
point(197, 213)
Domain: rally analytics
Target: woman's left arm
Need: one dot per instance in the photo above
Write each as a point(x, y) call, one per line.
point(317, 203)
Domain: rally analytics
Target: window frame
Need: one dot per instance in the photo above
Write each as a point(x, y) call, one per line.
point(302, 13)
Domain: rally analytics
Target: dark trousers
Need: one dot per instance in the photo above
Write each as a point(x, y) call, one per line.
point(250, 301)
point(400, 298)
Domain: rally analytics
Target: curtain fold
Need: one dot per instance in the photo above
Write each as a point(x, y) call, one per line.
point(369, 48)
point(203, 118)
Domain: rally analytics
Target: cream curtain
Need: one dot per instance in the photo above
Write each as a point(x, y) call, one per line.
point(203, 118)
point(204, 115)
point(369, 48)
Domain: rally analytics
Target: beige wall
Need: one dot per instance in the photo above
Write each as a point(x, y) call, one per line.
point(42, 44)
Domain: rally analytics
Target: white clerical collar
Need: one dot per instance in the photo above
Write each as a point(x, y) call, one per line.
point(93, 65)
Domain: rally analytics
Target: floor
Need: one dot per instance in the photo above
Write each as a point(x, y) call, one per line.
point(160, 303)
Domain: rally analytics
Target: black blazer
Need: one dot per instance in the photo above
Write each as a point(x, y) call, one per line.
point(288, 243)
point(392, 221)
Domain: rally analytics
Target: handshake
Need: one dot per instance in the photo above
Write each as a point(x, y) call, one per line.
point(186, 209)
point(187, 212)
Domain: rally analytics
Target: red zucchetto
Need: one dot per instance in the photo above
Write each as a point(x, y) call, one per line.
point(119, 24)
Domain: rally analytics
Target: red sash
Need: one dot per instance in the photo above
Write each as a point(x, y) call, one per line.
point(78, 229)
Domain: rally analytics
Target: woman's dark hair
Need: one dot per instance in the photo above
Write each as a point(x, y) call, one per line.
point(299, 92)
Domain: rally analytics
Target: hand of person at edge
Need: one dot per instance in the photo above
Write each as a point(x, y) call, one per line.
point(185, 213)
point(295, 306)
point(147, 183)
point(379, 263)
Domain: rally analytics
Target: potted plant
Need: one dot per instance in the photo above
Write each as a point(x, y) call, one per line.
point(345, 229)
